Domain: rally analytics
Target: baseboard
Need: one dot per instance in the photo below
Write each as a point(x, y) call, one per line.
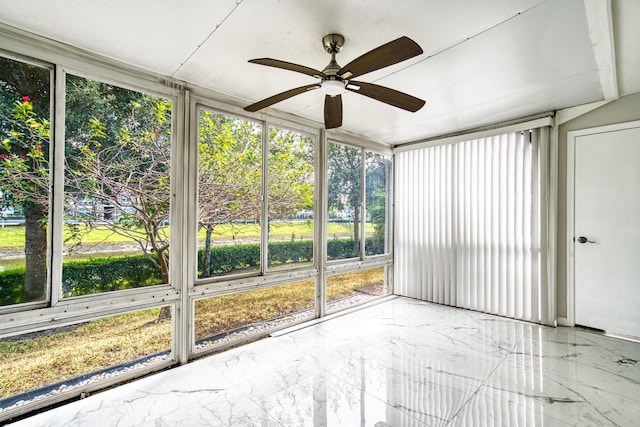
point(563, 321)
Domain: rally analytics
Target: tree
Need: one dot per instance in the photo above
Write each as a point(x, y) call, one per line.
point(24, 132)
point(24, 180)
point(116, 156)
point(290, 173)
point(130, 176)
point(345, 185)
point(230, 175)
point(229, 180)
point(376, 171)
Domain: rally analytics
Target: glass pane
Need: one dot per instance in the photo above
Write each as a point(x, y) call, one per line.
point(25, 99)
point(377, 178)
point(344, 178)
point(229, 195)
point(290, 199)
point(64, 358)
point(356, 287)
point(117, 190)
point(230, 317)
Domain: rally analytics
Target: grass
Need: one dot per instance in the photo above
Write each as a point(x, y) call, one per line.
point(225, 313)
point(347, 284)
point(42, 359)
point(32, 363)
point(13, 237)
point(221, 314)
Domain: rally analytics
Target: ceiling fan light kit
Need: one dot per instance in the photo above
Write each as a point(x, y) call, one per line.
point(333, 87)
point(336, 80)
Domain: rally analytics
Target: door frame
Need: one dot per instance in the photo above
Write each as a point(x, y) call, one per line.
point(572, 137)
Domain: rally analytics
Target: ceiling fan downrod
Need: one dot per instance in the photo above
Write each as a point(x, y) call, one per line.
point(332, 44)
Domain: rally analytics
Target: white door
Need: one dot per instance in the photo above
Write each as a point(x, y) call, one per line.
point(607, 229)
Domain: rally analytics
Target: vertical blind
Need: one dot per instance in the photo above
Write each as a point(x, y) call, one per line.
point(469, 224)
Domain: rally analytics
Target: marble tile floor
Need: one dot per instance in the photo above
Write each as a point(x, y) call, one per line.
point(399, 363)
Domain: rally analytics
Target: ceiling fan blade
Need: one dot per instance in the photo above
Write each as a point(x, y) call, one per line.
point(386, 95)
point(289, 66)
point(280, 97)
point(388, 54)
point(332, 111)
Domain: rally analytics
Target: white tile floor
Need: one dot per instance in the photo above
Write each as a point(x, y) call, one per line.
point(399, 363)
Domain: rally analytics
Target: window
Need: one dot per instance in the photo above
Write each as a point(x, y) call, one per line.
point(358, 182)
point(344, 165)
point(378, 170)
point(222, 319)
point(117, 188)
point(355, 287)
point(347, 220)
point(25, 99)
point(62, 359)
point(290, 195)
point(229, 195)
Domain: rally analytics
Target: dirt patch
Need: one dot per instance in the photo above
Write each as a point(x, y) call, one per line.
point(375, 289)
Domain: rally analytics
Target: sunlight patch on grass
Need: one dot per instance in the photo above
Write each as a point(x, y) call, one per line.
point(222, 314)
point(347, 284)
point(37, 360)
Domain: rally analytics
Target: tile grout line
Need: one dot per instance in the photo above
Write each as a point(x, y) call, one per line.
point(484, 382)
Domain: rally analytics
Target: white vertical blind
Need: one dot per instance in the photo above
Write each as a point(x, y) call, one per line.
point(468, 224)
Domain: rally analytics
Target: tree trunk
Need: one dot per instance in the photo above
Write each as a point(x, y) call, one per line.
point(165, 312)
point(206, 268)
point(356, 230)
point(35, 251)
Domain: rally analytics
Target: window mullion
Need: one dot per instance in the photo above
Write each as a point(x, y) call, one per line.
point(264, 216)
point(321, 215)
point(363, 195)
point(57, 186)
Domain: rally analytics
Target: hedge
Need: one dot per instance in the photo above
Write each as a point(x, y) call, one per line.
point(11, 287)
point(98, 275)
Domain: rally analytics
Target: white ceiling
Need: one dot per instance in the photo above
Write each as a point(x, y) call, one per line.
point(484, 61)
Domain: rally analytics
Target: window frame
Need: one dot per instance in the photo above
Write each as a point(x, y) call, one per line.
point(362, 257)
point(34, 305)
point(388, 217)
point(212, 285)
point(196, 190)
point(56, 311)
point(362, 262)
point(59, 182)
point(315, 142)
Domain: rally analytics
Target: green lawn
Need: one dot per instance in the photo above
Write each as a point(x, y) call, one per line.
point(13, 237)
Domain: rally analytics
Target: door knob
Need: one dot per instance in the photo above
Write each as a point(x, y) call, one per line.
point(583, 239)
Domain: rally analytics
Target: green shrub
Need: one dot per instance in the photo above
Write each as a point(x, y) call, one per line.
point(374, 245)
point(98, 275)
point(225, 259)
point(291, 252)
point(11, 286)
point(340, 249)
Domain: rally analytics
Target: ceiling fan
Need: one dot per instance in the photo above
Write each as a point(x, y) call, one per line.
point(336, 80)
